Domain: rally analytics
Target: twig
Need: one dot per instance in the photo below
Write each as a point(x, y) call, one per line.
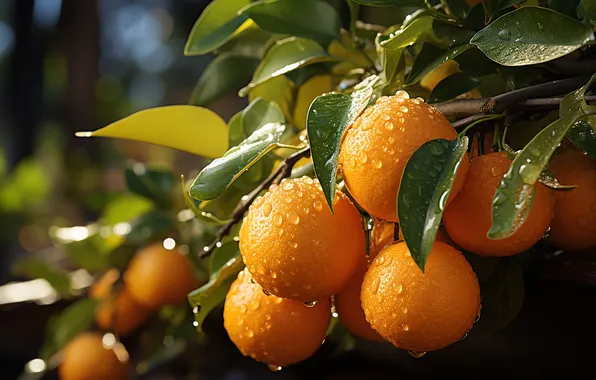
point(284, 170)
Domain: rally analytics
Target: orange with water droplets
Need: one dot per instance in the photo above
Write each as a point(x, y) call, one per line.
point(118, 312)
point(469, 217)
point(574, 225)
point(270, 329)
point(86, 358)
point(157, 276)
point(378, 144)
point(418, 311)
point(349, 308)
point(294, 247)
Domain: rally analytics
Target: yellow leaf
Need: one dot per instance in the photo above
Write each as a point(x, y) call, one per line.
point(312, 88)
point(190, 129)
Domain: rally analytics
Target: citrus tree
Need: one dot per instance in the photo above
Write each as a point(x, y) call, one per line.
point(397, 179)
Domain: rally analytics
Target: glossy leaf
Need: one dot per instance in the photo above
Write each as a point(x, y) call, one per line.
point(226, 263)
point(431, 57)
point(493, 6)
point(226, 72)
point(75, 319)
point(193, 205)
point(220, 173)
point(151, 183)
point(512, 200)
point(311, 19)
point(287, 55)
point(420, 29)
point(392, 3)
point(425, 186)
point(531, 35)
point(216, 25)
point(590, 10)
point(35, 268)
point(235, 130)
point(453, 86)
point(582, 135)
point(258, 113)
point(548, 179)
point(566, 7)
point(328, 117)
point(190, 129)
point(280, 90)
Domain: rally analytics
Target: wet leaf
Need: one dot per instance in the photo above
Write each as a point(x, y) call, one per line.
point(420, 29)
point(311, 19)
point(193, 205)
point(328, 118)
point(583, 137)
point(151, 183)
point(258, 113)
point(75, 319)
point(287, 55)
point(235, 130)
point(216, 25)
point(431, 57)
point(225, 73)
point(220, 173)
point(226, 263)
point(548, 179)
point(392, 3)
point(531, 35)
point(35, 268)
point(513, 196)
point(590, 10)
point(190, 129)
point(453, 86)
point(423, 192)
point(493, 6)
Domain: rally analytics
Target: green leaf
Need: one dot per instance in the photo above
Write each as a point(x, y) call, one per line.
point(582, 135)
point(453, 86)
point(328, 117)
point(566, 7)
point(590, 9)
point(226, 263)
point(193, 205)
point(512, 200)
point(75, 319)
point(190, 129)
point(423, 192)
point(218, 23)
point(392, 3)
point(90, 253)
point(531, 35)
point(493, 6)
point(258, 113)
point(287, 55)
point(420, 29)
point(124, 208)
point(235, 130)
point(226, 72)
point(35, 268)
point(153, 184)
point(459, 8)
point(431, 57)
point(311, 19)
point(220, 173)
point(150, 227)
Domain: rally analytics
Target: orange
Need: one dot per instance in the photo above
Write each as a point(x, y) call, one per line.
point(418, 311)
point(349, 309)
point(379, 143)
point(86, 358)
point(270, 329)
point(469, 217)
point(118, 313)
point(574, 224)
point(157, 276)
point(294, 247)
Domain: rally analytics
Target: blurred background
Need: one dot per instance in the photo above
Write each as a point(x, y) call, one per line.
point(74, 65)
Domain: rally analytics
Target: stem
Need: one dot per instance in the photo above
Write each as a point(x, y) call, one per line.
point(284, 170)
point(476, 119)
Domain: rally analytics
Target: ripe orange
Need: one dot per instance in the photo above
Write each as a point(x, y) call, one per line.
point(574, 224)
point(119, 313)
point(270, 329)
point(419, 311)
point(349, 308)
point(469, 217)
point(157, 276)
point(294, 247)
point(86, 358)
point(379, 143)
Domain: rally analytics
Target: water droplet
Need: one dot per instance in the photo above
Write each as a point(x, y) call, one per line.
point(261, 270)
point(540, 26)
point(402, 120)
point(267, 209)
point(375, 285)
point(293, 218)
point(366, 126)
point(406, 328)
point(274, 368)
point(266, 293)
point(310, 303)
point(504, 35)
point(403, 109)
point(386, 117)
point(281, 232)
point(405, 310)
point(308, 180)
point(273, 275)
point(402, 94)
point(250, 333)
point(400, 288)
point(287, 185)
point(294, 245)
point(352, 163)
point(464, 337)
point(391, 139)
point(389, 126)
point(255, 305)
point(278, 220)
point(258, 202)
point(377, 164)
point(381, 260)
point(318, 205)
point(436, 149)
point(240, 321)
point(288, 199)
point(417, 354)
point(243, 309)
point(306, 210)
point(363, 158)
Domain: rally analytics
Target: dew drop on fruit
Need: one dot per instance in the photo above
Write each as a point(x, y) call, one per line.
point(403, 109)
point(377, 164)
point(400, 288)
point(417, 354)
point(293, 218)
point(287, 185)
point(464, 337)
point(274, 368)
point(318, 205)
point(406, 328)
point(389, 126)
point(266, 293)
point(405, 310)
point(250, 333)
point(402, 94)
point(375, 285)
point(310, 303)
point(386, 117)
point(278, 220)
point(267, 209)
point(363, 158)
point(273, 275)
point(243, 309)
point(294, 245)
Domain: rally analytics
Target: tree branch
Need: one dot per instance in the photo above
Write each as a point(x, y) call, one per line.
point(284, 170)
